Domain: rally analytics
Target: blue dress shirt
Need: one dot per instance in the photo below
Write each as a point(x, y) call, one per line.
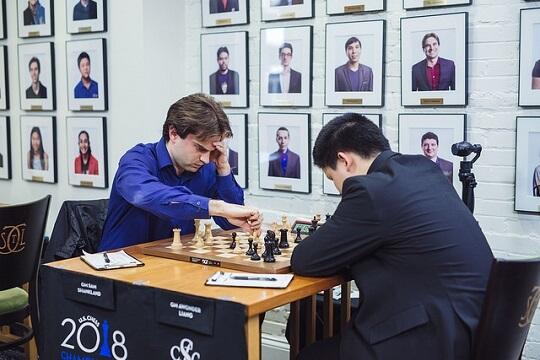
point(148, 199)
point(82, 92)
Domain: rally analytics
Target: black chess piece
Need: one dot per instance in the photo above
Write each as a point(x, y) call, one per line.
point(275, 245)
point(255, 256)
point(311, 230)
point(298, 235)
point(267, 239)
point(233, 243)
point(250, 251)
point(314, 223)
point(283, 242)
point(328, 216)
point(268, 252)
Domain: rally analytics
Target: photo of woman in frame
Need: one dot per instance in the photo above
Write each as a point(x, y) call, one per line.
point(85, 163)
point(35, 18)
point(37, 158)
point(38, 148)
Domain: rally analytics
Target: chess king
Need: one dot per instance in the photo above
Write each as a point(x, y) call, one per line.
point(184, 176)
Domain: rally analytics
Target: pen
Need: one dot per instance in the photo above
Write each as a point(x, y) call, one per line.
point(256, 278)
point(107, 260)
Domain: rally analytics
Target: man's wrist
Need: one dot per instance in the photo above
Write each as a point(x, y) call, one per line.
point(215, 207)
point(224, 170)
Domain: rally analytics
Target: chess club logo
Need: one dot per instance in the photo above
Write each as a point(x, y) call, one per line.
point(12, 239)
point(532, 303)
point(91, 336)
point(183, 351)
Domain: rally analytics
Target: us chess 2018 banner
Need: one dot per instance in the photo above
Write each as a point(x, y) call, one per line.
point(88, 317)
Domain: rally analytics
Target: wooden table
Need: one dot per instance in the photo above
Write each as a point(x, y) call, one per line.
point(187, 278)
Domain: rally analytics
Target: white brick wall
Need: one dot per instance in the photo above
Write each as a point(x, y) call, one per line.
point(493, 83)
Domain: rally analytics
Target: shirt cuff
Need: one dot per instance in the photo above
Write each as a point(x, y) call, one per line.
point(200, 206)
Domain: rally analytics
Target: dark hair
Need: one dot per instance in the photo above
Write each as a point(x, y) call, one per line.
point(283, 128)
point(348, 132)
point(352, 40)
point(36, 60)
point(89, 153)
point(427, 36)
point(83, 55)
point(285, 45)
point(41, 150)
point(429, 135)
point(222, 49)
point(197, 114)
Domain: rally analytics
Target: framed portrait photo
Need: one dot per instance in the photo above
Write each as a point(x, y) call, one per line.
point(37, 76)
point(224, 12)
point(4, 80)
point(527, 188)
point(328, 185)
point(424, 4)
point(432, 135)
point(434, 46)
point(284, 152)
point(238, 148)
point(224, 64)
point(5, 148)
point(84, 16)
point(529, 58)
point(285, 66)
point(87, 151)
point(35, 18)
point(272, 10)
point(3, 23)
point(355, 63)
point(38, 148)
point(87, 75)
point(339, 7)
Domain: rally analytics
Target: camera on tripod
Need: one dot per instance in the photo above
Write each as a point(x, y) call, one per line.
point(466, 177)
point(465, 149)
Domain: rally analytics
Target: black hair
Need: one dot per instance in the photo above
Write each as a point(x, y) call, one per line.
point(285, 45)
point(41, 150)
point(430, 135)
point(83, 55)
point(222, 49)
point(352, 40)
point(36, 60)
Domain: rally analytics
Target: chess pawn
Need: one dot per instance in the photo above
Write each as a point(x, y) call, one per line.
point(233, 243)
point(238, 248)
point(197, 234)
point(285, 222)
point(255, 256)
point(298, 235)
point(283, 242)
point(250, 251)
point(275, 245)
point(177, 243)
point(208, 238)
point(268, 252)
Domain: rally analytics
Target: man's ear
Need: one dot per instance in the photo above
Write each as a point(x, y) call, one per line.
point(172, 132)
point(345, 158)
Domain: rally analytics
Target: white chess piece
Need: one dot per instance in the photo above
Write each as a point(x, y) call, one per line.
point(208, 237)
point(177, 243)
point(197, 234)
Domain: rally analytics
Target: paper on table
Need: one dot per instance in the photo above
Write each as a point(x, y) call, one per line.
point(117, 259)
point(279, 281)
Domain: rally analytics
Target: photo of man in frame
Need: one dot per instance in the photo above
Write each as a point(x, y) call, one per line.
point(223, 6)
point(288, 80)
point(85, 10)
point(285, 2)
point(224, 80)
point(434, 73)
point(430, 149)
point(284, 162)
point(233, 161)
point(34, 14)
point(536, 76)
point(36, 90)
point(353, 76)
point(86, 87)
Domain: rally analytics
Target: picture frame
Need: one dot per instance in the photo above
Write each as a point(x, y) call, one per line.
point(286, 49)
point(527, 176)
point(89, 57)
point(296, 138)
point(38, 22)
point(37, 76)
point(342, 7)
point(238, 148)
point(215, 14)
point(328, 186)
point(3, 22)
point(432, 135)
point(226, 52)
point(440, 38)
point(90, 18)
point(38, 148)
point(529, 58)
point(86, 139)
point(273, 10)
point(359, 45)
point(4, 78)
point(427, 4)
point(5, 148)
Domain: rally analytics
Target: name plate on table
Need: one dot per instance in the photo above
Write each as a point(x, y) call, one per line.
point(202, 261)
point(223, 21)
point(225, 103)
point(283, 187)
point(287, 15)
point(188, 312)
point(33, 33)
point(351, 101)
point(86, 183)
point(84, 29)
point(432, 101)
point(434, 2)
point(86, 108)
point(36, 107)
point(37, 178)
point(354, 8)
point(89, 290)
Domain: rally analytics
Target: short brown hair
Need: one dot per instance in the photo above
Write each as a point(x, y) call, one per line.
point(197, 114)
point(427, 36)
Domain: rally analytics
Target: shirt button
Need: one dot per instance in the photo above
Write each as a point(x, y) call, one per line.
point(198, 203)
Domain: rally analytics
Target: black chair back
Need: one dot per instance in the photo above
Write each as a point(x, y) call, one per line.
point(21, 239)
point(511, 299)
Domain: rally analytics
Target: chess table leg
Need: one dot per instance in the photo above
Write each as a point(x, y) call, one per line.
point(253, 337)
point(328, 314)
point(294, 336)
point(311, 317)
point(345, 304)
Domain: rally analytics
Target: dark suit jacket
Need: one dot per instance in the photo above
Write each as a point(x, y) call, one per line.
point(42, 92)
point(233, 86)
point(447, 168)
point(447, 80)
point(233, 161)
point(293, 165)
point(295, 83)
point(216, 6)
point(343, 83)
point(80, 13)
point(417, 255)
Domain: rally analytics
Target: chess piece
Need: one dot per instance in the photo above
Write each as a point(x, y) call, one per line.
point(268, 255)
point(208, 238)
point(298, 236)
point(255, 256)
point(250, 251)
point(318, 217)
point(285, 222)
point(328, 216)
point(275, 245)
point(283, 242)
point(274, 227)
point(177, 243)
point(238, 249)
point(233, 243)
point(314, 222)
point(197, 234)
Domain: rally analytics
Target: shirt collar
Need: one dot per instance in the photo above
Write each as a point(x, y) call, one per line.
point(163, 157)
point(380, 160)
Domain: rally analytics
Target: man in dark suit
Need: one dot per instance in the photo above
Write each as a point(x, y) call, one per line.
point(284, 162)
point(288, 80)
point(233, 161)
point(85, 10)
point(353, 76)
point(430, 148)
point(224, 80)
point(221, 6)
point(36, 90)
point(411, 245)
point(434, 73)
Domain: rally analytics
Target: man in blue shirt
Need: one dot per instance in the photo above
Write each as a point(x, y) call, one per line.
point(184, 176)
point(86, 88)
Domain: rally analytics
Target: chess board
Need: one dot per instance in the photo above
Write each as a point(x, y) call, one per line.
point(218, 253)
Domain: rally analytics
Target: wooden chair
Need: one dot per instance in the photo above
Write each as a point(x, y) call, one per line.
point(21, 240)
point(512, 297)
